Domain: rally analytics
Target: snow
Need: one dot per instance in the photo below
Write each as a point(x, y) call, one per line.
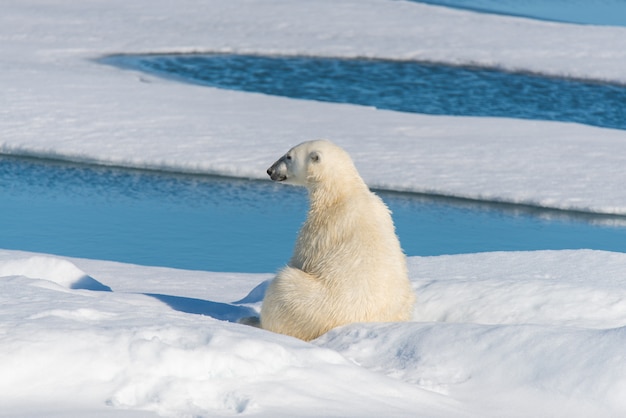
point(61, 103)
point(129, 349)
point(491, 337)
point(495, 334)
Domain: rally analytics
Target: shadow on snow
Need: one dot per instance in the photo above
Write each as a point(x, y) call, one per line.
point(232, 312)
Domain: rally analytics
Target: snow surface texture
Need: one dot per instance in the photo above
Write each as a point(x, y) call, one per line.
point(497, 334)
point(60, 103)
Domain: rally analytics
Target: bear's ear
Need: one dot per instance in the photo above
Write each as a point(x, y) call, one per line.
point(315, 156)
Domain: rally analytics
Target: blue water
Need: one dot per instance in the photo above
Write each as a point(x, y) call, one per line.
point(602, 12)
point(222, 224)
point(399, 85)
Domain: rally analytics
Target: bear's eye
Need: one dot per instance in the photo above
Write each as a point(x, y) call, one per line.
point(288, 157)
point(315, 157)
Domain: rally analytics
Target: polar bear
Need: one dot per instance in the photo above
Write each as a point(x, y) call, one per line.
point(347, 264)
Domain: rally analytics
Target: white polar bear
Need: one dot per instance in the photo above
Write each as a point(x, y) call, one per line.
point(347, 264)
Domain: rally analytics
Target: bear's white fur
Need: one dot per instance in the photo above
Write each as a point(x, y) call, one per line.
point(347, 264)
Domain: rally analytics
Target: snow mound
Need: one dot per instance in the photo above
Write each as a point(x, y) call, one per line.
point(52, 269)
point(559, 371)
point(581, 288)
point(130, 351)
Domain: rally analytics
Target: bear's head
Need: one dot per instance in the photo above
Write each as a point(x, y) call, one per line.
point(313, 163)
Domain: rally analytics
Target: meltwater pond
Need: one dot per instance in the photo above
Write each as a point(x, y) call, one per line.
point(221, 224)
point(405, 86)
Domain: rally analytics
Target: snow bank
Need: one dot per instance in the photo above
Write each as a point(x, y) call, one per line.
point(65, 105)
point(491, 337)
point(54, 269)
point(526, 370)
point(559, 288)
point(78, 349)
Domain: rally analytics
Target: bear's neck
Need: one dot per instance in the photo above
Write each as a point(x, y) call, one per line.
point(332, 193)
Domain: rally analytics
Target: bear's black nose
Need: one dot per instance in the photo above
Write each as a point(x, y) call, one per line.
point(270, 171)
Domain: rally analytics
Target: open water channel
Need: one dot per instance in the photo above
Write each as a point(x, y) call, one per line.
point(224, 224)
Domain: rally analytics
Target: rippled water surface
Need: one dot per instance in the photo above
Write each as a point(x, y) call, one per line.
point(399, 85)
point(221, 224)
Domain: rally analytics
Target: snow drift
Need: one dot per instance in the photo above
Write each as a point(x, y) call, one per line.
point(490, 337)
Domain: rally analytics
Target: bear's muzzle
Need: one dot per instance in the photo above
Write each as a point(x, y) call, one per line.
point(276, 171)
